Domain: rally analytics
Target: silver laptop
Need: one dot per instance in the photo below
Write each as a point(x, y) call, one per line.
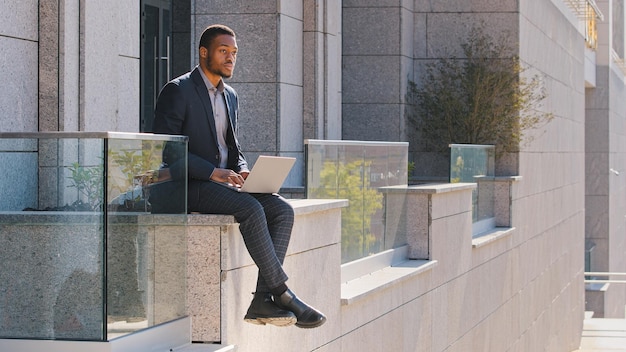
point(267, 175)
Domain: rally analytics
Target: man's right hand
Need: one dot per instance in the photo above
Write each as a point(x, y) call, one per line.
point(227, 175)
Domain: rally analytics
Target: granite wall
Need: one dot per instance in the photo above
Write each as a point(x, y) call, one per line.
point(63, 277)
point(19, 36)
point(288, 72)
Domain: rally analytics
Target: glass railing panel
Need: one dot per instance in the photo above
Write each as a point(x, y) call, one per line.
point(390, 168)
point(476, 164)
point(51, 258)
point(354, 185)
point(75, 263)
point(322, 175)
point(357, 171)
point(146, 254)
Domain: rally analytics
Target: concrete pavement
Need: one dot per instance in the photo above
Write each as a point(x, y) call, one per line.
point(603, 335)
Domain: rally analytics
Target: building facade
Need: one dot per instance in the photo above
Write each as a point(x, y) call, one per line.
point(321, 69)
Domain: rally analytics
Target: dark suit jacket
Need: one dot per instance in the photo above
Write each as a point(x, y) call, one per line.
point(184, 108)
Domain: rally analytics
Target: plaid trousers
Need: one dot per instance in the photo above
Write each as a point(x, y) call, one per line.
point(265, 222)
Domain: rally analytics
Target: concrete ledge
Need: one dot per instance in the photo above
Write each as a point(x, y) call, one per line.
point(429, 188)
point(307, 206)
point(371, 284)
point(367, 265)
point(300, 207)
point(491, 236)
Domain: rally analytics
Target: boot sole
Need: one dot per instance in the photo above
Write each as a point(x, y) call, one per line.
point(276, 321)
point(311, 326)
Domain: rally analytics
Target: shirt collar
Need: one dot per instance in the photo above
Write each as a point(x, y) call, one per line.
point(209, 85)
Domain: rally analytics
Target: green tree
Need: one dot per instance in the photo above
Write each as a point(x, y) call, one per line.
point(351, 181)
point(487, 97)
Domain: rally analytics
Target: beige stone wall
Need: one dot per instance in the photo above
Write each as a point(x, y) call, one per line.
point(604, 141)
point(551, 215)
point(536, 275)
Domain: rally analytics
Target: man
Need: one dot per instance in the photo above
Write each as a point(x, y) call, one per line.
point(200, 105)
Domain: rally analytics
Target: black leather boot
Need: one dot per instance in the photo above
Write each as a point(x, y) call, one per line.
point(263, 311)
point(308, 317)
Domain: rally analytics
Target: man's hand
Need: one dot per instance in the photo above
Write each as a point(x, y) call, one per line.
point(229, 176)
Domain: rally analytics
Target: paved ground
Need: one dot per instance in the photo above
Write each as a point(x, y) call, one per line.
point(603, 335)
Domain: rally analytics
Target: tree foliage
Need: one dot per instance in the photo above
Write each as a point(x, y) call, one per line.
point(351, 181)
point(483, 98)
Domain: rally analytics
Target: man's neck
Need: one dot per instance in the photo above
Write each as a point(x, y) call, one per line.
point(213, 78)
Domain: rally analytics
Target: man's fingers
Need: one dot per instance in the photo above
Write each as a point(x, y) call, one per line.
point(236, 178)
point(227, 175)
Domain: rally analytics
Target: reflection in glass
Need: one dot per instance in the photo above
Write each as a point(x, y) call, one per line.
point(357, 171)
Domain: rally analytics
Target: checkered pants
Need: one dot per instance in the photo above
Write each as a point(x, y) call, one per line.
point(265, 222)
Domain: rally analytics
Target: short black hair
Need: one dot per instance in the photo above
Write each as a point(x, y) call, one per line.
point(213, 31)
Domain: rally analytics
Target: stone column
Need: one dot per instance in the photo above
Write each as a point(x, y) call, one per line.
point(48, 65)
point(50, 58)
point(322, 69)
point(59, 47)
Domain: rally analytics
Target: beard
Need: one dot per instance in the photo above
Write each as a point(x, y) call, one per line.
point(217, 69)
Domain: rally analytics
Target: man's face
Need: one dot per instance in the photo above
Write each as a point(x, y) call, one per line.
point(221, 56)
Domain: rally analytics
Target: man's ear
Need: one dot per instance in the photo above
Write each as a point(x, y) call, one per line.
point(204, 52)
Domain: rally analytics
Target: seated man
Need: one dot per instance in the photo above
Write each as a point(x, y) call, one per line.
point(200, 105)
